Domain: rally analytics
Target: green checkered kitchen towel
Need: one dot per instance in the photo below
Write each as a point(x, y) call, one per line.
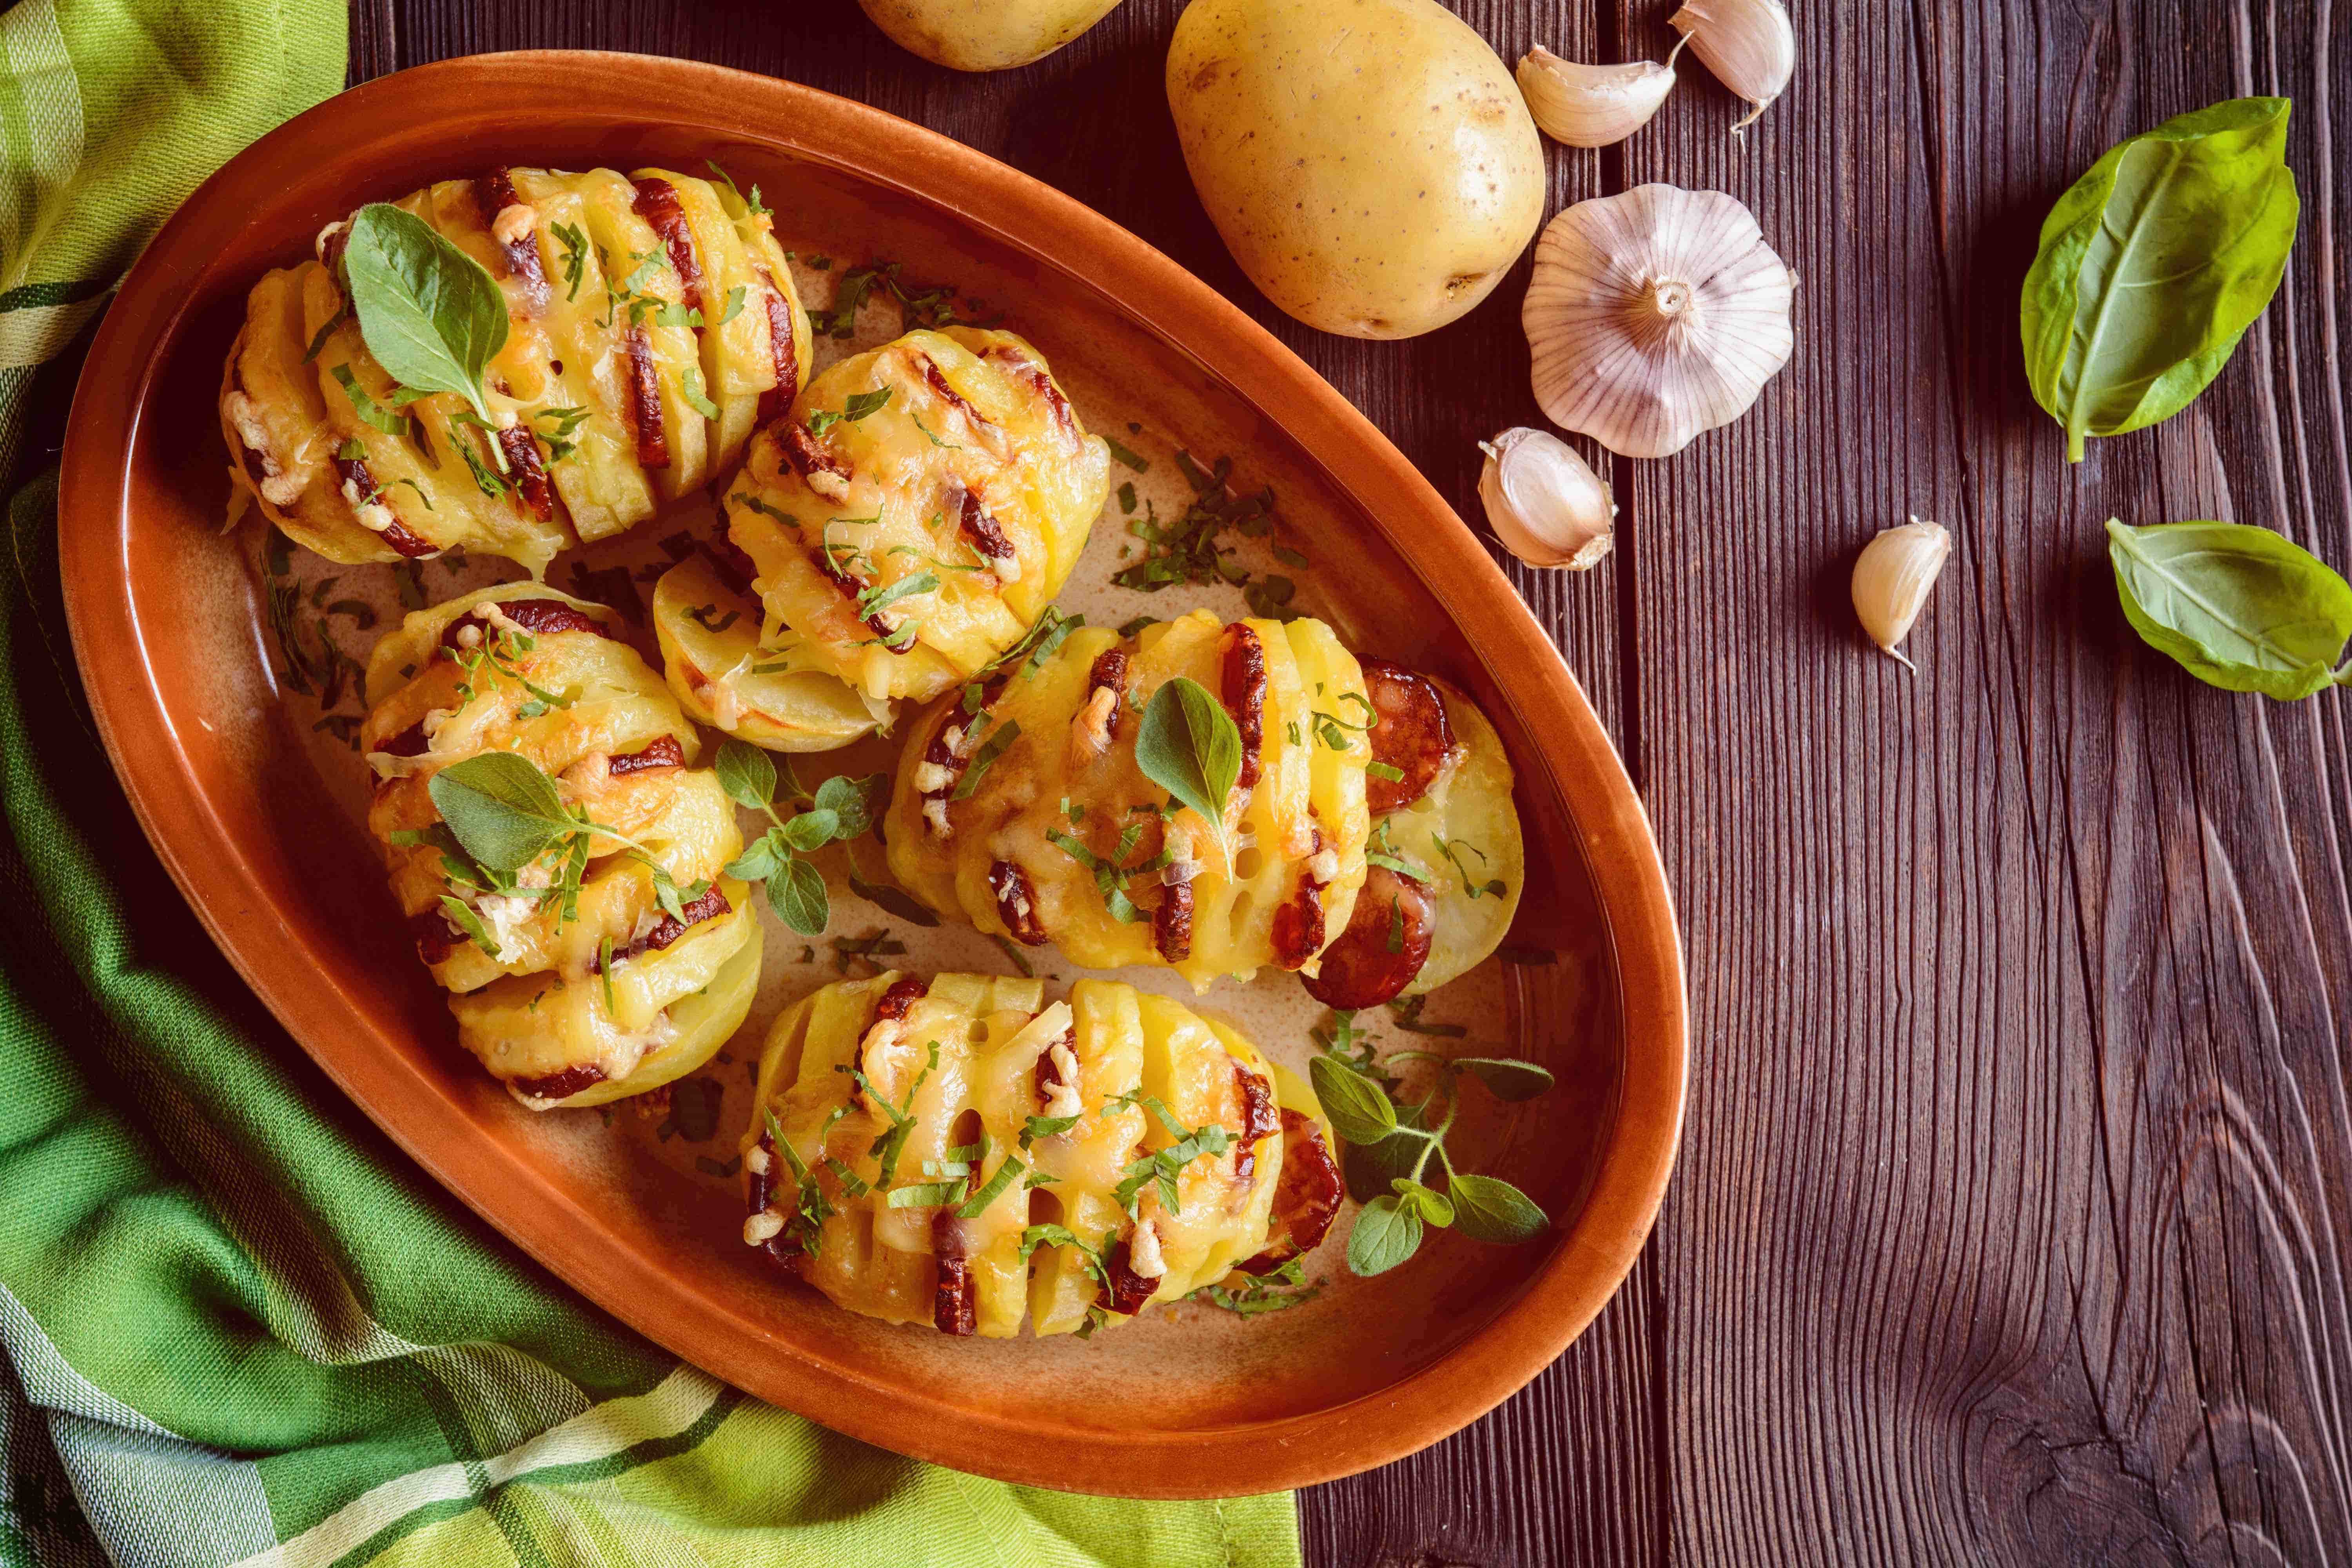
point(236, 1324)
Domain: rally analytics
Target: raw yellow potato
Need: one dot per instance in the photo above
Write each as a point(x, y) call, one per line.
point(1467, 832)
point(1370, 163)
point(985, 34)
point(773, 694)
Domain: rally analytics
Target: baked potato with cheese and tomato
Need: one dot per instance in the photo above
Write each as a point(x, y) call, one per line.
point(1021, 805)
point(583, 965)
point(652, 324)
point(958, 1152)
point(918, 510)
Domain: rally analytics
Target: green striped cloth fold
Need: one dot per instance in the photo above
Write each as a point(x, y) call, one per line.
point(237, 1326)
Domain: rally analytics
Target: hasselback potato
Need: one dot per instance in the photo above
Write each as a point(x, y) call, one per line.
point(962, 1153)
point(652, 324)
point(1021, 804)
point(920, 509)
point(583, 965)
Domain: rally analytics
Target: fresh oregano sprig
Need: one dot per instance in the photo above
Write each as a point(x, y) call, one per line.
point(842, 808)
point(1391, 1147)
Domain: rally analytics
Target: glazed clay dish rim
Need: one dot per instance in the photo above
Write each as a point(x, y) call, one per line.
point(1589, 1257)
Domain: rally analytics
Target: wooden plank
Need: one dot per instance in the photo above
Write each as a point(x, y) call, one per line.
point(2009, 1225)
point(1571, 1470)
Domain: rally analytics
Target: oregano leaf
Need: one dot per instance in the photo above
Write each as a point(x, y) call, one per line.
point(1387, 1233)
point(502, 809)
point(431, 314)
point(1487, 1208)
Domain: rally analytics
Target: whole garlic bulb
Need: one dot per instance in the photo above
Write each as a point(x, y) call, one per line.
point(1892, 577)
point(1748, 44)
point(1548, 506)
point(1654, 315)
point(1593, 106)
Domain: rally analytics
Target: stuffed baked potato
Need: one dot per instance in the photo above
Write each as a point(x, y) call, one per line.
point(1020, 806)
point(958, 1153)
point(600, 963)
point(920, 509)
point(652, 325)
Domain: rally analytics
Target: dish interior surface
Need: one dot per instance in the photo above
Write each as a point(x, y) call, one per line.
point(640, 1206)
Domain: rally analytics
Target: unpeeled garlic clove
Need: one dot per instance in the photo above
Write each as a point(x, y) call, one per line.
point(1548, 506)
point(1654, 315)
point(1892, 577)
point(1748, 44)
point(1593, 106)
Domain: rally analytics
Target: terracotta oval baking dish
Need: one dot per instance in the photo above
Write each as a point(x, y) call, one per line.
point(166, 622)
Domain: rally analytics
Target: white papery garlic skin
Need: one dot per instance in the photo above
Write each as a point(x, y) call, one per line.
point(1748, 44)
point(1892, 577)
point(1654, 315)
point(1548, 506)
point(1593, 106)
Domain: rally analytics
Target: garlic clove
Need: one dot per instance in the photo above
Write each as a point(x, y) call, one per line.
point(1892, 577)
point(1654, 315)
point(1592, 106)
point(1548, 506)
point(1748, 44)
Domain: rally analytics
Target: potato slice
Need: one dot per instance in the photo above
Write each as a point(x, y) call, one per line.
point(777, 696)
point(1466, 832)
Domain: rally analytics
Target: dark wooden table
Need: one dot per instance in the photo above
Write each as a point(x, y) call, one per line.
point(2011, 1223)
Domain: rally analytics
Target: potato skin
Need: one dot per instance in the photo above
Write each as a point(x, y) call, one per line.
point(984, 35)
point(1370, 163)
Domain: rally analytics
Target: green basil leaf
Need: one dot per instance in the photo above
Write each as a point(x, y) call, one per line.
point(503, 810)
point(747, 773)
point(798, 896)
point(2239, 607)
point(1509, 1078)
point(1189, 745)
point(1487, 1208)
point(2154, 264)
point(430, 315)
point(977, 1204)
point(1359, 1110)
point(1386, 1233)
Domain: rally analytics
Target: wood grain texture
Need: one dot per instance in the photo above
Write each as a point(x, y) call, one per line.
point(2011, 1223)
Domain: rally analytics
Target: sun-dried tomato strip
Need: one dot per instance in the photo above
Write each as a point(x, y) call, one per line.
point(1016, 903)
point(532, 491)
point(409, 742)
point(784, 1247)
point(494, 192)
point(667, 930)
point(954, 1293)
point(541, 617)
point(1171, 923)
point(435, 937)
point(901, 998)
point(1039, 383)
point(657, 204)
point(986, 536)
point(1306, 1198)
point(1128, 1293)
point(937, 383)
point(644, 401)
point(807, 455)
point(1359, 969)
point(1258, 1120)
point(880, 624)
point(1245, 695)
point(777, 401)
point(1298, 923)
point(664, 753)
point(354, 471)
point(560, 1085)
